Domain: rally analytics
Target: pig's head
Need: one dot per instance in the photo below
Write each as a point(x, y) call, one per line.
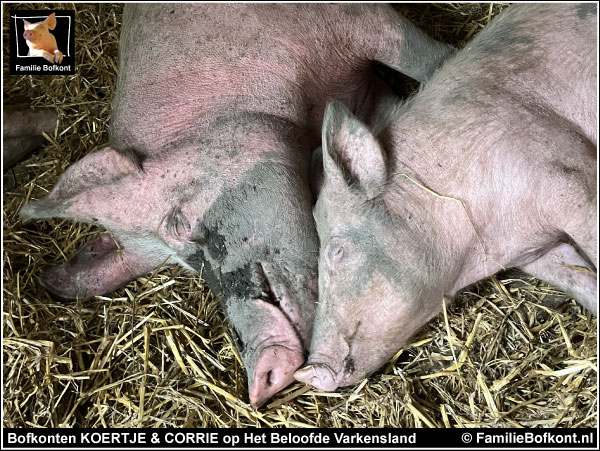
point(241, 217)
point(374, 284)
point(38, 32)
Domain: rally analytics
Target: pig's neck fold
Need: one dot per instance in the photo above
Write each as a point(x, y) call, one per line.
point(445, 232)
point(448, 185)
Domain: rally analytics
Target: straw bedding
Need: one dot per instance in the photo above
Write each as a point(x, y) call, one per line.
point(510, 352)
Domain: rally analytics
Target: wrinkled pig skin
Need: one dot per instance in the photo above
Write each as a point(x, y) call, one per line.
point(22, 129)
point(215, 113)
point(506, 131)
point(40, 41)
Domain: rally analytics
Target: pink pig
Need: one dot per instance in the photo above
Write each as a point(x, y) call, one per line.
point(492, 165)
point(209, 154)
point(40, 41)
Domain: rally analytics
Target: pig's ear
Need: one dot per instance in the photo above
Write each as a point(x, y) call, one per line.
point(351, 151)
point(99, 267)
point(26, 23)
point(105, 167)
point(51, 21)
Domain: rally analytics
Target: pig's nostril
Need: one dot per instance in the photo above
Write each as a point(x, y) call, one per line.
point(318, 375)
point(273, 371)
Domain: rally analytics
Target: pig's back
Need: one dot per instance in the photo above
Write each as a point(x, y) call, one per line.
point(176, 62)
point(180, 65)
point(544, 54)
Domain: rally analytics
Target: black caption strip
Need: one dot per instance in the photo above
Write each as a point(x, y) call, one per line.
point(298, 438)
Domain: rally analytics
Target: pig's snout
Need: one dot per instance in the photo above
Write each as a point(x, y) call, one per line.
point(28, 35)
point(318, 375)
point(324, 368)
point(274, 371)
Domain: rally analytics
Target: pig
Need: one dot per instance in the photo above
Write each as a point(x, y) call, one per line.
point(491, 165)
point(22, 129)
point(216, 110)
point(40, 41)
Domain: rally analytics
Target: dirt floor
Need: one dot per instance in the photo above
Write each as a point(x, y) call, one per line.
point(510, 352)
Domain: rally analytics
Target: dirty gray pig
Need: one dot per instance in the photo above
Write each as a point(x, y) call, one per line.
point(22, 129)
point(215, 113)
point(492, 165)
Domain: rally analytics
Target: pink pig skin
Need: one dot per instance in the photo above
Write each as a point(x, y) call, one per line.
point(506, 131)
point(216, 110)
point(40, 41)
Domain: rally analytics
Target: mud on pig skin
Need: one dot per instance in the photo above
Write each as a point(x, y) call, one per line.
point(506, 130)
point(215, 113)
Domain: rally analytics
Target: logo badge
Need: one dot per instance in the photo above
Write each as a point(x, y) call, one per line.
point(42, 42)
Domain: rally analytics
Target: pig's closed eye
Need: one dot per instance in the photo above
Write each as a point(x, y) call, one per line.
point(181, 226)
point(175, 229)
point(177, 226)
point(338, 254)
